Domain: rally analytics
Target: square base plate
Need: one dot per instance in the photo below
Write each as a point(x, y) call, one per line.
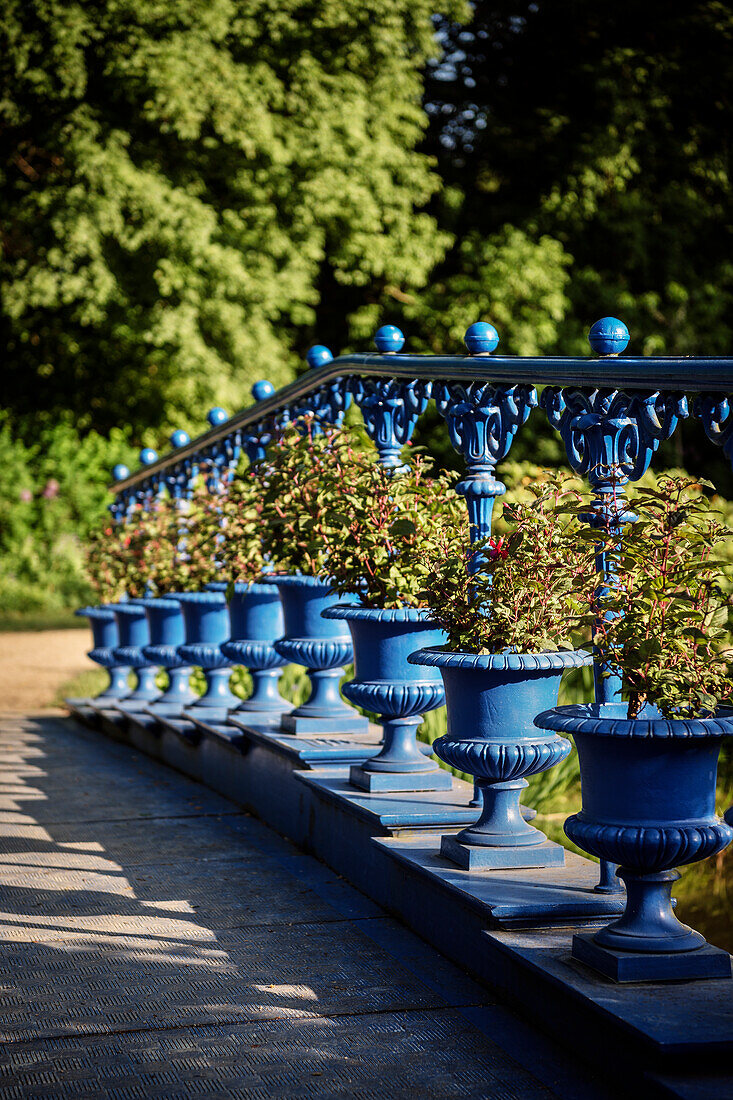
point(208, 715)
point(473, 857)
point(310, 727)
point(639, 966)
point(436, 780)
point(256, 717)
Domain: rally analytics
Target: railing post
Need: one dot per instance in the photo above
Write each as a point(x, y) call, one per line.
point(390, 409)
point(716, 414)
point(610, 438)
point(482, 421)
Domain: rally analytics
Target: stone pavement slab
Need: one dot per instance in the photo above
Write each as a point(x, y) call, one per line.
point(158, 942)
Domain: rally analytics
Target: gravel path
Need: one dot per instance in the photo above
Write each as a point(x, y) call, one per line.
point(33, 666)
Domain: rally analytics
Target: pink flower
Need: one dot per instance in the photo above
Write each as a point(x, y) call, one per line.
point(51, 489)
point(497, 549)
point(25, 495)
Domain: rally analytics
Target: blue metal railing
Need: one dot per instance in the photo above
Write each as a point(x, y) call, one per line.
point(612, 412)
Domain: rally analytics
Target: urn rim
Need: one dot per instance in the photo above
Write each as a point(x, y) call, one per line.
point(380, 614)
point(214, 599)
point(555, 660)
point(589, 718)
point(298, 580)
point(254, 588)
point(163, 603)
point(95, 612)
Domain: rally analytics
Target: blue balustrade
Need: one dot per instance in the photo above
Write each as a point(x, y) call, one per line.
point(612, 412)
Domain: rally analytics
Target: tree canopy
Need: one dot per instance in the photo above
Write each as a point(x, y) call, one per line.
point(585, 150)
point(193, 192)
point(183, 184)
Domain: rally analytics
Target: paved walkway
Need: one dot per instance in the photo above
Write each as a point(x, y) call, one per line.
point(35, 663)
point(158, 942)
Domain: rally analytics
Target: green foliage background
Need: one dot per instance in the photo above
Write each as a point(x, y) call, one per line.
point(192, 193)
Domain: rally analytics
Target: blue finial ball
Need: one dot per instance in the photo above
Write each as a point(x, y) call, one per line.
point(217, 416)
point(262, 390)
point(481, 338)
point(180, 438)
point(609, 336)
point(120, 472)
point(388, 339)
point(148, 456)
point(318, 356)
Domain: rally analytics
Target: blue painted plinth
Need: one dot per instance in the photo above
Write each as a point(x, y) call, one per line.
point(390, 812)
point(638, 966)
point(438, 780)
point(473, 857)
point(144, 720)
point(215, 727)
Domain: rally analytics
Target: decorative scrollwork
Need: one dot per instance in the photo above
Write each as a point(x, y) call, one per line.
point(390, 410)
point(327, 404)
point(255, 440)
point(483, 420)
point(716, 413)
point(610, 437)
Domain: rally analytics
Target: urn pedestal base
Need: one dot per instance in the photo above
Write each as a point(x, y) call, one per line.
point(302, 725)
point(145, 693)
point(324, 711)
point(265, 706)
point(638, 966)
point(475, 857)
point(435, 780)
point(118, 687)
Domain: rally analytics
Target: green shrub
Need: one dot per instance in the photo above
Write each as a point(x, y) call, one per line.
point(53, 492)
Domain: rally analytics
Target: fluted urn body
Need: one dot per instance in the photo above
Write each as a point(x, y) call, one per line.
point(106, 638)
point(134, 635)
point(206, 622)
point(323, 647)
point(165, 624)
point(491, 702)
point(648, 787)
point(400, 693)
point(257, 622)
